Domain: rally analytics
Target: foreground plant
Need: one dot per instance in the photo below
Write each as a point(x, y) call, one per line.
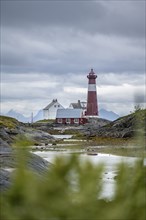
point(71, 190)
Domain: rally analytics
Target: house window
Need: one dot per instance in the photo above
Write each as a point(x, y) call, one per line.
point(58, 105)
point(76, 120)
point(59, 120)
point(55, 106)
point(68, 120)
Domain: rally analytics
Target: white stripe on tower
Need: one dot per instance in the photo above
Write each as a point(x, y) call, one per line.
point(92, 87)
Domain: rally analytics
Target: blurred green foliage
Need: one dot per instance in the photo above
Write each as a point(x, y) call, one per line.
point(71, 189)
point(21, 141)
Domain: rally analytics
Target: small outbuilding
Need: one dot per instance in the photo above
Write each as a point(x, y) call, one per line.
point(70, 116)
point(79, 104)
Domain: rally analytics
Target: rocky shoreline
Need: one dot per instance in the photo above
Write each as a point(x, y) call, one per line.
point(8, 158)
point(38, 133)
point(9, 163)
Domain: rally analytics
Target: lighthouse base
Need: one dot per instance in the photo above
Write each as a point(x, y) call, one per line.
point(92, 119)
point(91, 116)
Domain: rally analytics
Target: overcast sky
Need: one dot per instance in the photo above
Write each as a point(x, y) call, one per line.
point(49, 47)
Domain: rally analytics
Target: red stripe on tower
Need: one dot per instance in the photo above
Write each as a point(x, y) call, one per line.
point(92, 106)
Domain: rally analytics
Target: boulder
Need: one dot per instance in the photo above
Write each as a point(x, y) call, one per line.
point(124, 127)
point(5, 181)
point(9, 160)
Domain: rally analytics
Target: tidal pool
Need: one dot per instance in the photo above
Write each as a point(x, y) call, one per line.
point(64, 136)
point(110, 162)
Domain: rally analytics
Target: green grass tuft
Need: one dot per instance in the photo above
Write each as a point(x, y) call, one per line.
point(8, 122)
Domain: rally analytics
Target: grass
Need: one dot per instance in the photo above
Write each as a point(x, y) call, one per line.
point(119, 151)
point(75, 132)
point(50, 121)
point(8, 122)
point(123, 151)
point(108, 141)
point(140, 114)
point(115, 147)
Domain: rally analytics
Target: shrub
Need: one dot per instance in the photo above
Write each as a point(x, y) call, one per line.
point(71, 190)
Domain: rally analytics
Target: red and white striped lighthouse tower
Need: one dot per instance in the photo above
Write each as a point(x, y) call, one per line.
point(92, 106)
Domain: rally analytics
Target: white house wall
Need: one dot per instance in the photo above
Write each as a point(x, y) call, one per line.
point(51, 112)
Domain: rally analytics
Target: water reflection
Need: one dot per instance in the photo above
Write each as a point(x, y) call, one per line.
point(109, 160)
point(60, 136)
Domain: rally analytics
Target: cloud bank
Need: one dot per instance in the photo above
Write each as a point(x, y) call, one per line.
point(48, 48)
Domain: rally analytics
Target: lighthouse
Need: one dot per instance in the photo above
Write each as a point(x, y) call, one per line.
point(92, 106)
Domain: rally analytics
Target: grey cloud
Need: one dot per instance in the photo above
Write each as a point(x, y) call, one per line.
point(66, 52)
point(34, 86)
point(119, 18)
point(50, 13)
point(59, 42)
point(139, 97)
point(107, 79)
point(44, 36)
point(38, 91)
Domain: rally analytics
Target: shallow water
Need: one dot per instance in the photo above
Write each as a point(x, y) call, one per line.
point(110, 162)
point(60, 136)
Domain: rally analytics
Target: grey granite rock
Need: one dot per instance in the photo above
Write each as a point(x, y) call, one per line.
point(4, 146)
point(33, 163)
point(5, 181)
point(124, 127)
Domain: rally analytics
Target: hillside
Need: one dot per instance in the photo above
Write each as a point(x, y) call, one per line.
point(124, 127)
point(8, 122)
point(10, 128)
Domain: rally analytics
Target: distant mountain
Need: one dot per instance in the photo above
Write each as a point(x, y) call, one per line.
point(12, 113)
point(20, 117)
point(109, 115)
point(39, 116)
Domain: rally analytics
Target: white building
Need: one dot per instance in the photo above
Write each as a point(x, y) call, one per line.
point(50, 110)
point(78, 105)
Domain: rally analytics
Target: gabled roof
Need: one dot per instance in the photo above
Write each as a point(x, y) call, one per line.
point(69, 113)
point(78, 105)
point(75, 105)
point(51, 104)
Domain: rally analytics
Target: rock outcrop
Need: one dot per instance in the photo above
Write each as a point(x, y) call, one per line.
point(9, 162)
point(9, 130)
point(124, 127)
